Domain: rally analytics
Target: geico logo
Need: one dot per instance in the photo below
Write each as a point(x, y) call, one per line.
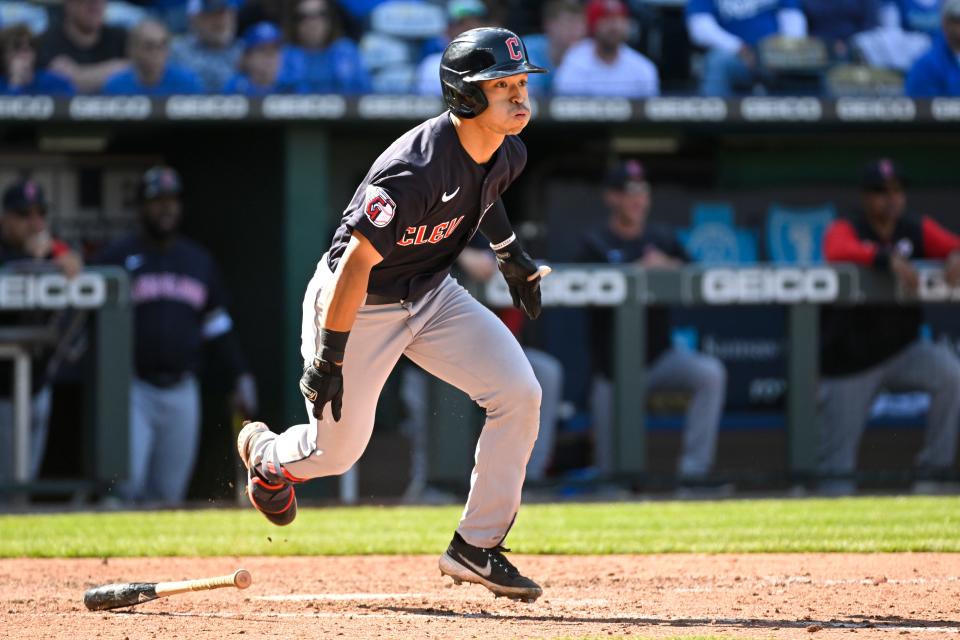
point(945, 108)
point(52, 291)
point(590, 109)
point(281, 107)
point(724, 286)
point(934, 288)
point(876, 109)
point(100, 108)
point(570, 288)
point(398, 106)
point(26, 107)
point(214, 107)
point(805, 109)
point(709, 109)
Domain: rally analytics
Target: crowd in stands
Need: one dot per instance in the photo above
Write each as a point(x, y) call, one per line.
point(592, 47)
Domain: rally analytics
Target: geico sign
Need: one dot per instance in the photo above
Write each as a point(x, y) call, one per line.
point(933, 288)
point(724, 286)
point(570, 288)
point(52, 291)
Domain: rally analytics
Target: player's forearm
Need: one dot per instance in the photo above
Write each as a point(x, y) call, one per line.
point(343, 295)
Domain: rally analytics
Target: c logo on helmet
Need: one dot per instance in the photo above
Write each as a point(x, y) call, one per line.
point(513, 48)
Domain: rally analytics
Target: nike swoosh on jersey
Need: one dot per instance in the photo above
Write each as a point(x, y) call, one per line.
point(448, 198)
point(485, 571)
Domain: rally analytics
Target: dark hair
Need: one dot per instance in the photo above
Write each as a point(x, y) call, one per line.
point(11, 35)
point(291, 19)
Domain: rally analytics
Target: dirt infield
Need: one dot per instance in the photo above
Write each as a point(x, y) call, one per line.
point(741, 596)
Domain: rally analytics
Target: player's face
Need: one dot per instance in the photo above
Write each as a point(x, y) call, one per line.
point(216, 28)
point(263, 64)
point(313, 23)
point(885, 205)
point(508, 105)
point(630, 205)
point(85, 15)
point(612, 31)
point(161, 215)
point(20, 225)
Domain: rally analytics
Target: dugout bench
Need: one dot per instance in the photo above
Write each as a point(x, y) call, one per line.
point(632, 290)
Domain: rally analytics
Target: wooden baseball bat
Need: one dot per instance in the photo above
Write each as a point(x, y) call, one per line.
point(127, 594)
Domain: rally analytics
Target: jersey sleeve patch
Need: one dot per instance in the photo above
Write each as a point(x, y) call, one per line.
point(379, 207)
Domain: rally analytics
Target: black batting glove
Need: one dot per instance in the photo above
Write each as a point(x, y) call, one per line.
point(322, 382)
point(520, 272)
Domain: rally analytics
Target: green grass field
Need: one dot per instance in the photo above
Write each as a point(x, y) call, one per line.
point(809, 525)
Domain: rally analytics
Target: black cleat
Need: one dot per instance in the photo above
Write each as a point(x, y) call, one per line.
point(488, 567)
point(273, 497)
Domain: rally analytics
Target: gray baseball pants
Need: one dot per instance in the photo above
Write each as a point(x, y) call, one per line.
point(164, 436)
point(843, 404)
point(677, 370)
point(452, 336)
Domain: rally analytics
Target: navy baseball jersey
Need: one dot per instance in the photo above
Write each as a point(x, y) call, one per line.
point(178, 303)
point(601, 245)
point(421, 202)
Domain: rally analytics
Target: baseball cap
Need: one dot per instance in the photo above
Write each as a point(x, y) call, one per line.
point(21, 196)
point(627, 176)
point(951, 9)
point(881, 174)
point(159, 181)
point(597, 9)
point(260, 34)
point(200, 6)
point(460, 9)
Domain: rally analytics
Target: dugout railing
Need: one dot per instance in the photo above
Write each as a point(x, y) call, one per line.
point(632, 291)
point(93, 307)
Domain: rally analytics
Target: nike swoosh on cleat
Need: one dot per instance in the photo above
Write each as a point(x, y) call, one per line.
point(448, 198)
point(485, 571)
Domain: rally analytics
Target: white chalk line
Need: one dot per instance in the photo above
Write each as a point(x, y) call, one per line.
point(347, 597)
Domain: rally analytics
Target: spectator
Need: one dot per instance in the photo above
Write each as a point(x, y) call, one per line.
point(26, 243)
point(259, 71)
point(150, 72)
point(19, 74)
point(172, 13)
point(918, 16)
point(629, 238)
point(603, 64)
point(179, 305)
point(463, 16)
point(83, 49)
point(320, 57)
point(867, 348)
point(837, 21)
point(479, 265)
point(731, 30)
point(937, 72)
point(210, 49)
point(563, 25)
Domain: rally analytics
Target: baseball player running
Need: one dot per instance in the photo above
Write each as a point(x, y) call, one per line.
point(383, 290)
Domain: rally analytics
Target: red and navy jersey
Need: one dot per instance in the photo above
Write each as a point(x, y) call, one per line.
point(178, 303)
point(421, 202)
point(853, 339)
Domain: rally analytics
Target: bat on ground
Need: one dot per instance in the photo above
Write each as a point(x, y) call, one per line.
point(127, 594)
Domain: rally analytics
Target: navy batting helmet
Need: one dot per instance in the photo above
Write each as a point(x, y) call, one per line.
point(480, 54)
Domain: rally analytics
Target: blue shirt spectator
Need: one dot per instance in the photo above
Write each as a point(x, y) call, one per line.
point(210, 49)
point(937, 72)
point(749, 20)
point(918, 15)
point(259, 72)
point(563, 26)
point(151, 72)
point(19, 75)
point(319, 58)
point(836, 21)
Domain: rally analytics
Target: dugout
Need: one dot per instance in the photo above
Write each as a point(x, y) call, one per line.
point(266, 180)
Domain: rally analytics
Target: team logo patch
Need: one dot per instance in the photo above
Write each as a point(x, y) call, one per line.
point(379, 208)
point(513, 48)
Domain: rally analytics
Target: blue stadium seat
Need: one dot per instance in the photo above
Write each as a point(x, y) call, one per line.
point(713, 238)
point(794, 235)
